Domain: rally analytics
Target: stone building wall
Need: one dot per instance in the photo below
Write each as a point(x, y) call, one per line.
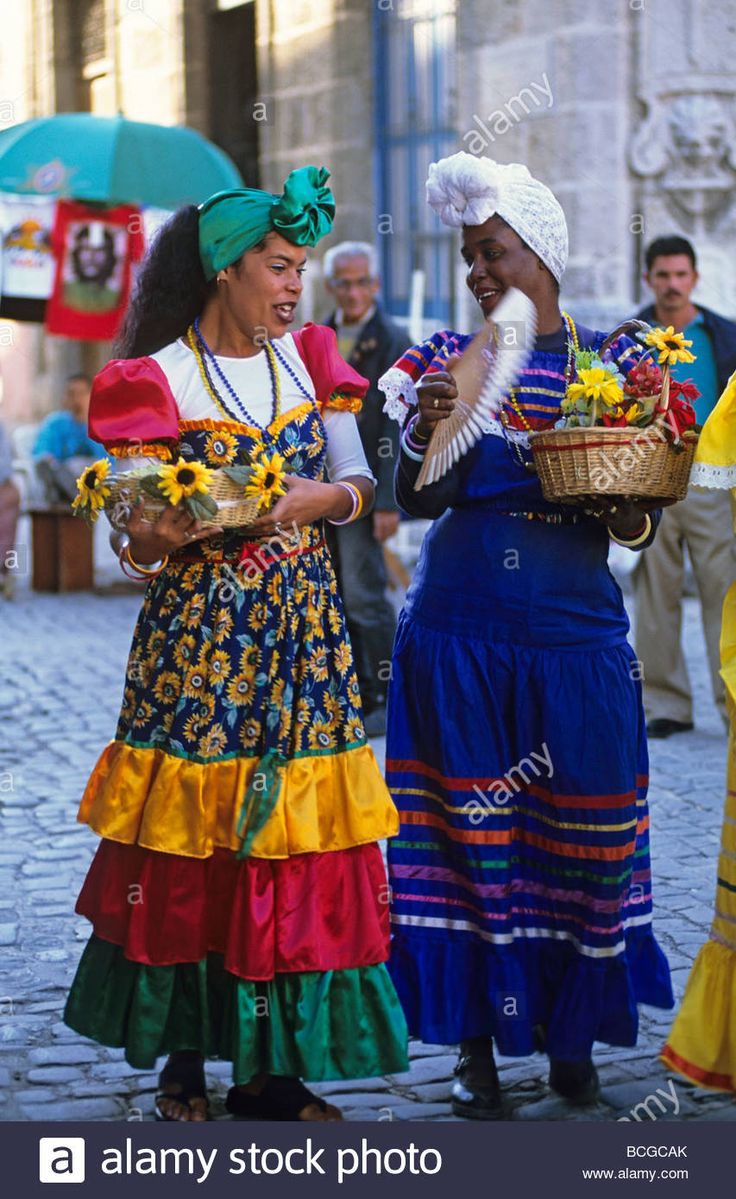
point(315, 68)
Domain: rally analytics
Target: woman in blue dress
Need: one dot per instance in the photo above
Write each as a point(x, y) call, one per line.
point(516, 745)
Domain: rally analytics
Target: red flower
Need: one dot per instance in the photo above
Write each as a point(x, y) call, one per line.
point(614, 422)
point(644, 379)
point(686, 391)
point(679, 416)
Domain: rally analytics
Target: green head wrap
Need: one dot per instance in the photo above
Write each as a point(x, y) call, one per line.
point(231, 222)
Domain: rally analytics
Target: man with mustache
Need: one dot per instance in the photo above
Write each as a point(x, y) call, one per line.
point(701, 522)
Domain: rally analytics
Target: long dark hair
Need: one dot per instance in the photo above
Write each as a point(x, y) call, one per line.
point(170, 289)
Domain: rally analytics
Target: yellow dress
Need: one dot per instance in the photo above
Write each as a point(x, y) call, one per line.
point(702, 1041)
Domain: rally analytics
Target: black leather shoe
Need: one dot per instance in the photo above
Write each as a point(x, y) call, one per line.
point(659, 729)
point(472, 1099)
point(577, 1082)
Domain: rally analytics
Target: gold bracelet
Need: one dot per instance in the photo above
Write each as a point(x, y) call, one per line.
point(145, 570)
point(631, 544)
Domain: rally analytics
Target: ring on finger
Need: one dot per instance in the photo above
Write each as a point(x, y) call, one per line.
point(278, 527)
point(435, 402)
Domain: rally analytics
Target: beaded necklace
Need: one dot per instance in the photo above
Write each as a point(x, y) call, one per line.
point(204, 355)
point(289, 371)
point(572, 346)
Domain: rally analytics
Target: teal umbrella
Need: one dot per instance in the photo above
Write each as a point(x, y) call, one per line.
point(111, 160)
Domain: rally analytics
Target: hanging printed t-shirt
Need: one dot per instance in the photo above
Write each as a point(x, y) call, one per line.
point(95, 249)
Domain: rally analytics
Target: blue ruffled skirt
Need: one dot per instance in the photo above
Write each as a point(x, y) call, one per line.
point(517, 757)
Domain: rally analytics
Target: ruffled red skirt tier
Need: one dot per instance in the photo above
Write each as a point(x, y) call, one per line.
point(313, 911)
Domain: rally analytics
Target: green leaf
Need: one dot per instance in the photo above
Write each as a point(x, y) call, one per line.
point(201, 506)
point(151, 487)
point(238, 474)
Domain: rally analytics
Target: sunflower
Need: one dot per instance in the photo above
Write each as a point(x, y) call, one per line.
point(250, 734)
point(191, 577)
point(240, 690)
point(179, 480)
point(167, 686)
point(250, 660)
point(304, 710)
point(258, 616)
point(343, 657)
point(91, 490)
point(143, 714)
point(274, 588)
point(220, 668)
point(214, 740)
point(670, 345)
point(267, 479)
point(320, 735)
point(170, 600)
point(204, 707)
point(223, 625)
point(220, 448)
point(334, 619)
point(596, 383)
point(354, 730)
point(193, 611)
point(195, 727)
point(333, 705)
point(184, 651)
point(318, 664)
point(195, 683)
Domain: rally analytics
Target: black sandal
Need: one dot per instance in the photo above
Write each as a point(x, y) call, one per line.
point(187, 1072)
point(281, 1098)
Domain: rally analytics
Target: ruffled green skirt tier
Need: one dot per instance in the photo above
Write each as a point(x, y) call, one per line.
point(314, 1025)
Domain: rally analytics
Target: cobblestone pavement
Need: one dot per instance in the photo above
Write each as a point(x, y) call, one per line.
point(62, 669)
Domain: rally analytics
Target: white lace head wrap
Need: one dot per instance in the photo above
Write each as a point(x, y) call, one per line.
point(467, 190)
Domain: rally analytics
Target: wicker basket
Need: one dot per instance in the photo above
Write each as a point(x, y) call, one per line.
point(234, 509)
point(575, 464)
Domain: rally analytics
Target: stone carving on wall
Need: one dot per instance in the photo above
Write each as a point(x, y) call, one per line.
point(687, 144)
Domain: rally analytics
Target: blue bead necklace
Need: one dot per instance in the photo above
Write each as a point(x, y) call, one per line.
point(209, 357)
point(290, 372)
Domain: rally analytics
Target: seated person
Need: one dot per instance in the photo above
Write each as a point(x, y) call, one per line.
point(62, 448)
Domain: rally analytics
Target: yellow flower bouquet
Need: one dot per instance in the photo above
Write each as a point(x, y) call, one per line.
point(629, 436)
point(231, 496)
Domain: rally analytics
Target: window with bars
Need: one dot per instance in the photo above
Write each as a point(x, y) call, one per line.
point(415, 124)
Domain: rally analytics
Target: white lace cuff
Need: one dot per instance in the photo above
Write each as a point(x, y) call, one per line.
point(705, 475)
point(400, 393)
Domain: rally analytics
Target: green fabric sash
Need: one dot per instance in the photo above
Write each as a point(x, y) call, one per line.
point(260, 799)
point(315, 1025)
point(231, 222)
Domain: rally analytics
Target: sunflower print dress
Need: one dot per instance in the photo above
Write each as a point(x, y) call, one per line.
point(238, 897)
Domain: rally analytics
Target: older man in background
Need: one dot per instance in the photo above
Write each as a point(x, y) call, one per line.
point(370, 342)
point(701, 522)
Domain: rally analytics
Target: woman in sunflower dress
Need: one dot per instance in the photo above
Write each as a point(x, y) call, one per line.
point(702, 1041)
point(238, 896)
point(521, 899)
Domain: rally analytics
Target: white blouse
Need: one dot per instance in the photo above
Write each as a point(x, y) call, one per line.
point(250, 379)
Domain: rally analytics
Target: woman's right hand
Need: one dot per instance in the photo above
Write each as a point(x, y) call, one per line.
point(175, 527)
point(436, 395)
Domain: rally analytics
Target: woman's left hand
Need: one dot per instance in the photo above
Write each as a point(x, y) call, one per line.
point(305, 502)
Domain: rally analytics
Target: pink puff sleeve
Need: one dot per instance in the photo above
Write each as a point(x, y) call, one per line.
point(132, 410)
point(336, 383)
